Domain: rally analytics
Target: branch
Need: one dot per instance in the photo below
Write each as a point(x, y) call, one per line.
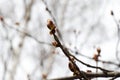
point(102, 61)
point(72, 65)
point(91, 75)
point(67, 53)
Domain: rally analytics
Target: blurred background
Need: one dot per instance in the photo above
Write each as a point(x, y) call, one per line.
point(83, 26)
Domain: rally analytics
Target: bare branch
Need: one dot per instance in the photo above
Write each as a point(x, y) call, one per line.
point(91, 75)
point(52, 28)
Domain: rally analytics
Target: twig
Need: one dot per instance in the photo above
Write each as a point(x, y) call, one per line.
point(54, 19)
point(118, 34)
point(27, 34)
point(104, 70)
point(102, 61)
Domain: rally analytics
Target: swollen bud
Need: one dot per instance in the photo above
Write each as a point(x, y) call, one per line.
point(99, 51)
point(1, 18)
point(51, 26)
point(71, 66)
point(112, 13)
point(95, 57)
point(55, 44)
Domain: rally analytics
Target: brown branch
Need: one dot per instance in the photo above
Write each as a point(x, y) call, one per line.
point(76, 71)
point(67, 53)
point(52, 28)
point(91, 75)
point(75, 68)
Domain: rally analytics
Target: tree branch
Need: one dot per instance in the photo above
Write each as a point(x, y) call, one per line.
point(91, 75)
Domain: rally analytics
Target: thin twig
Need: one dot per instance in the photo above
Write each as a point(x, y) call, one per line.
point(27, 34)
point(118, 35)
point(102, 61)
point(54, 19)
point(88, 65)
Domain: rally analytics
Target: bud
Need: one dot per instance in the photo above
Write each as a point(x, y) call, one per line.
point(55, 44)
point(95, 57)
point(17, 23)
point(89, 71)
point(71, 66)
point(112, 13)
point(72, 58)
point(20, 45)
point(1, 18)
point(99, 51)
point(47, 9)
point(51, 26)
point(44, 76)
